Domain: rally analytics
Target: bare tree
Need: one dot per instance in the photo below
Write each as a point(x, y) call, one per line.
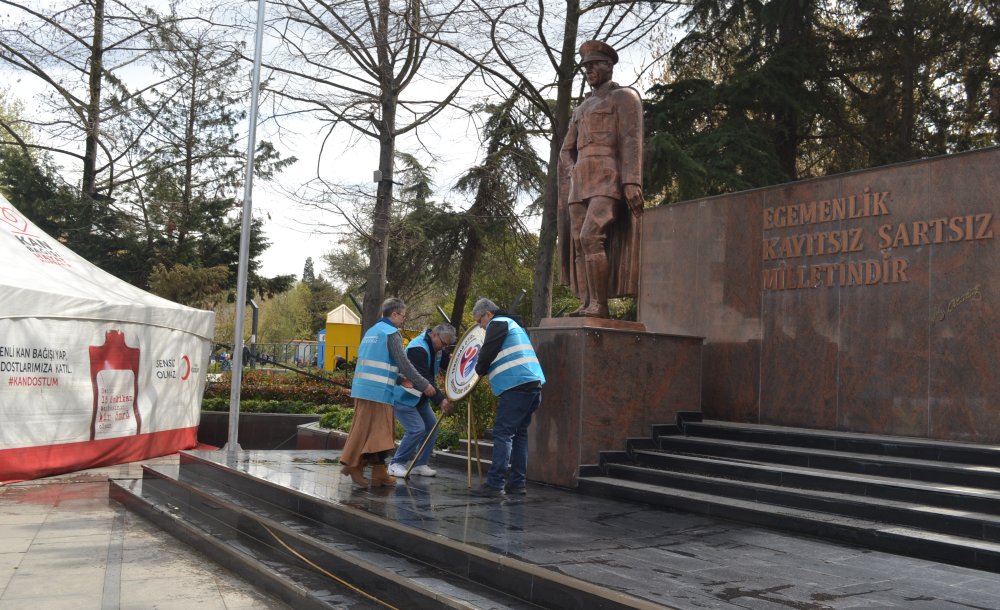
point(145, 107)
point(348, 63)
point(78, 53)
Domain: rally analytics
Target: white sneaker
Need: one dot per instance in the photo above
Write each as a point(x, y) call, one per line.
point(424, 470)
point(397, 470)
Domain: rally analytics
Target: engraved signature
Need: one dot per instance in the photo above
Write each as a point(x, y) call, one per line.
point(939, 313)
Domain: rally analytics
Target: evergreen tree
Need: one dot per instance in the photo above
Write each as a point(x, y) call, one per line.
point(511, 168)
point(758, 93)
point(308, 275)
point(324, 297)
point(745, 85)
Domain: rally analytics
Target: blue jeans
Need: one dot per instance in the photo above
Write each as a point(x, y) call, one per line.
point(510, 437)
point(417, 421)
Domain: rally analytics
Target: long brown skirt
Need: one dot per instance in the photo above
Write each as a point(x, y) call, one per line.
point(372, 431)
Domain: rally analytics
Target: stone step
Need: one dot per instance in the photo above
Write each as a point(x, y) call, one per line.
point(287, 542)
point(846, 486)
point(895, 446)
point(916, 542)
point(298, 587)
point(442, 571)
point(485, 448)
point(459, 460)
point(975, 525)
point(943, 495)
point(858, 463)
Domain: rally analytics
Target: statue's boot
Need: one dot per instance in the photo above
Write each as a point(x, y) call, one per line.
point(597, 281)
point(582, 288)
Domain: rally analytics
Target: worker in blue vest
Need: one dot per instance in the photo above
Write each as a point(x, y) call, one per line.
point(427, 353)
point(516, 378)
point(380, 363)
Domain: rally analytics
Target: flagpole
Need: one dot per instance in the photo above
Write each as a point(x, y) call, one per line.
point(241, 281)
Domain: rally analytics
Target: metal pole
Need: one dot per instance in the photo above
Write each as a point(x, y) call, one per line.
point(241, 282)
point(254, 321)
point(443, 314)
point(468, 458)
point(423, 446)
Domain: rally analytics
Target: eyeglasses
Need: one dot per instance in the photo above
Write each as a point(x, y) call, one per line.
point(444, 344)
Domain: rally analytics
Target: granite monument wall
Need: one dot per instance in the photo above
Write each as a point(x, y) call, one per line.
point(866, 302)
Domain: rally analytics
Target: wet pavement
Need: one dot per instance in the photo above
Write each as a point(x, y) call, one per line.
point(65, 544)
point(676, 559)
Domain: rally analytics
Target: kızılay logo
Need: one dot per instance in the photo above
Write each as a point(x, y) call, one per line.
point(37, 246)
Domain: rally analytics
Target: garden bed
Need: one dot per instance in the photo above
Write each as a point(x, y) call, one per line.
point(313, 436)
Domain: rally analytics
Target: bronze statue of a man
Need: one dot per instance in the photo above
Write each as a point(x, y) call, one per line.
point(600, 182)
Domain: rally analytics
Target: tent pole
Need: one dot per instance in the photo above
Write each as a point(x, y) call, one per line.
point(241, 282)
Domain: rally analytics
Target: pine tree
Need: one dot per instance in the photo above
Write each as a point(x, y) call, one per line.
point(308, 275)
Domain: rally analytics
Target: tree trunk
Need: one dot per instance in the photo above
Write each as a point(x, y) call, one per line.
point(904, 146)
point(791, 32)
point(94, 104)
point(189, 145)
point(378, 249)
point(541, 298)
point(470, 256)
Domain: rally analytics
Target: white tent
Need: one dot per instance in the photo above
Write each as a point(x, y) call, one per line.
point(93, 370)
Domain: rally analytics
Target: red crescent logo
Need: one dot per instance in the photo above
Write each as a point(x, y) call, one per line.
point(185, 368)
point(20, 225)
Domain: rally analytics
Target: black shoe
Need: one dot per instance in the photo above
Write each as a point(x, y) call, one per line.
point(488, 492)
point(517, 491)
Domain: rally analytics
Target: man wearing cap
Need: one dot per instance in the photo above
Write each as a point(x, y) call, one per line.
point(516, 379)
point(600, 174)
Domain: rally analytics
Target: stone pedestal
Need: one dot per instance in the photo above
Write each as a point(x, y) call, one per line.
point(605, 382)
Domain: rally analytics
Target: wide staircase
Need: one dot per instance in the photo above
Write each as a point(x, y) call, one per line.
point(321, 549)
point(929, 499)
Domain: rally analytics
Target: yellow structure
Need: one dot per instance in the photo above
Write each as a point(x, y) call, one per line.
point(343, 336)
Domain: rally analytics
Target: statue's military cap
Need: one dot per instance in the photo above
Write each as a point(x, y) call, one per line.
point(597, 50)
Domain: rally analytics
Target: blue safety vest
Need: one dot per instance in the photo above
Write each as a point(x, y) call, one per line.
point(375, 373)
point(411, 396)
point(516, 363)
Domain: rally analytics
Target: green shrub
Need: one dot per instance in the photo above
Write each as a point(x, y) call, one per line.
point(215, 404)
point(266, 406)
point(340, 418)
point(270, 391)
point(337, 418)
point(447, 439)
point(483, 405)
point(287, 386)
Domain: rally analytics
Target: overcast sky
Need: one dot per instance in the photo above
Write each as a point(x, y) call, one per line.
point(449, 144)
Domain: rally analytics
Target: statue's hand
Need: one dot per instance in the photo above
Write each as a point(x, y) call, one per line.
point(633, 195)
